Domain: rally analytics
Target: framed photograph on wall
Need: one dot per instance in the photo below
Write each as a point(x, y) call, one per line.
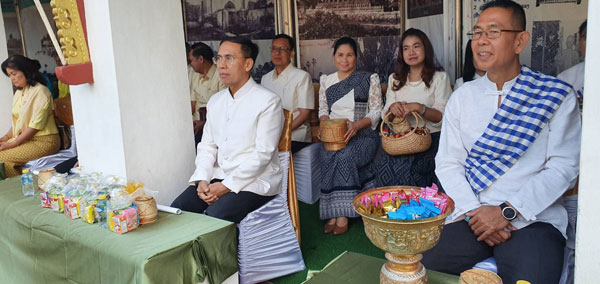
point(207, 20)
point(538, 2)
point(424, 8)
point(375, 25)
point(211, 21)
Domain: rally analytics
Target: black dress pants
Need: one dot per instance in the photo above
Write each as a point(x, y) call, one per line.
point(297, 146)
point(66, 166)
point(232, 206)
point(534, 253)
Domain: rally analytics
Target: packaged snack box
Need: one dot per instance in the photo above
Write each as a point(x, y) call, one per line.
point(72, 207)
point(45, 199)
point(88, 213)
point(124, 220)
point(56, 202)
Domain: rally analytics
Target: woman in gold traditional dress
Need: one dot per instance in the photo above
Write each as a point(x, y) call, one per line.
point(33, 133)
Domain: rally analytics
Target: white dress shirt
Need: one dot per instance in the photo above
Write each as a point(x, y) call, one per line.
point(535, 183)
point(435, 97)
point(295, 88)
point(240, 140)
point(344, 107)
point(575, 76)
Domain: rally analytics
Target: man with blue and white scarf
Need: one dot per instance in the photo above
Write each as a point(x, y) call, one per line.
point(509, 149)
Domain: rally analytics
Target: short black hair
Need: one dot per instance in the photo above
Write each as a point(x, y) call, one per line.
point(345, 40)
point(201, 49)
point(518, 13)
point(249, 49)
point(582, 28)
point(29, 67)
point(289, 39)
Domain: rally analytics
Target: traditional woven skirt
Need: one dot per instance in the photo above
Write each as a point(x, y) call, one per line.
point(412, 169)
point(37, 147)
point(344, 174)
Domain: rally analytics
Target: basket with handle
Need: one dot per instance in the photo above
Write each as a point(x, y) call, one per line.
point(332, 133)
point(398, 125)
point(417, 140)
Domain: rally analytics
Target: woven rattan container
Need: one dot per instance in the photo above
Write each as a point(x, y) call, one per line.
point(479, 276)
point(417, 140)
point(332, 134)
point(146, 207)
point(45, 175)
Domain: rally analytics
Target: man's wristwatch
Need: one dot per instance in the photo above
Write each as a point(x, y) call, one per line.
point(508, 212)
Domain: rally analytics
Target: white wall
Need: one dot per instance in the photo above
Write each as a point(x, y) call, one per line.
point(134, 121)
point(6, 91)
point(587, 262)
point(153, 85)
point(96, 109)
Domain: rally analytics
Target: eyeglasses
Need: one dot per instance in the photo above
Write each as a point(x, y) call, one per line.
point(490, 34)
point(279, 49)
point(227, 59)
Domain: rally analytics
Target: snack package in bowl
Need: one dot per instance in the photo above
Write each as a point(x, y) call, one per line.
point(405, 205)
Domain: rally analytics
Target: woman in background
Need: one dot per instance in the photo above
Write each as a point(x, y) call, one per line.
point(33, 133)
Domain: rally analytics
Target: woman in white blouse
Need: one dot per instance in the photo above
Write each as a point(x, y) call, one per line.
point(415, 86)
point(354, 96)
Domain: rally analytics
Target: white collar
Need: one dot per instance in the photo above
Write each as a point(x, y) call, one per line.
point(243, 90)
point(283, 73)
point(492, 89)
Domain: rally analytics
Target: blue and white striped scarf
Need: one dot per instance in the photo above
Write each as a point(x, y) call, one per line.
point(526, 110)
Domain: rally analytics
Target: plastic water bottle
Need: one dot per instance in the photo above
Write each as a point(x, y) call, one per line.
point(102, 208)
point(27, 183)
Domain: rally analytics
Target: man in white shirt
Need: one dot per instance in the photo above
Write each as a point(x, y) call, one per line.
point(574, 76)
point(294, 86)
point(509, 149)
point(238, 151)
point(204, 83)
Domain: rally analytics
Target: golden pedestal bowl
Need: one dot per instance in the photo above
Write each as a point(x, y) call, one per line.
point(403, 241)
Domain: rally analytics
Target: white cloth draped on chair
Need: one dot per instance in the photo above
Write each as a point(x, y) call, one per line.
point(268, 247)
point(308, 171)
point(51, 161)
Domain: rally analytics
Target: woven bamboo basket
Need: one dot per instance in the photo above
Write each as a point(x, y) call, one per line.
point(399, 125)
point(332, 133)
point(45, 175)
point(479, 276)
point(146, 207)
point(416, 141)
